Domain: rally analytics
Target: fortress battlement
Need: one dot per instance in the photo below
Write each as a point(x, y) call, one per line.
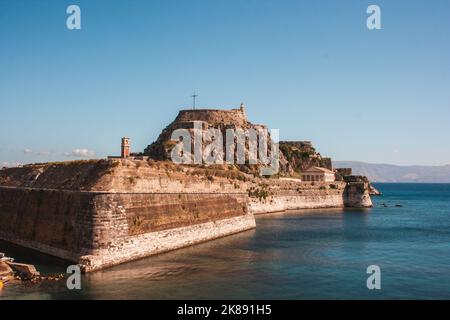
point(232, 116)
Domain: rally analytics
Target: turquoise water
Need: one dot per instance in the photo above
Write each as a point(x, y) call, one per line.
point(319, 254)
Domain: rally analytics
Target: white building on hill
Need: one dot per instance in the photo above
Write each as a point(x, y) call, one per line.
point(318, 174)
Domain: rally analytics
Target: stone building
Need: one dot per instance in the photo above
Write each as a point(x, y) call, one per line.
point(318, 174)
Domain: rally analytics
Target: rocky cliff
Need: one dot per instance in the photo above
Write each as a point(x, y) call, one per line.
point(222, 120)
point(301, 155)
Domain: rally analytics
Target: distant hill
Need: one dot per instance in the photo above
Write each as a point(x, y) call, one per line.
point(394, 173)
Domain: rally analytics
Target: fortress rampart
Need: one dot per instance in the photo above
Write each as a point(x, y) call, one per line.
point(126, 213)
point(214, 116)
point(98, 230)
point(99, 213)
point(292, 194)
point(105, 212)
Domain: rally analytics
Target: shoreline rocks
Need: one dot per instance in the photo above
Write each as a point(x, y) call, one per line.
point(374, 191)
point(5, 270)
point(25, 271)
point(10, 271)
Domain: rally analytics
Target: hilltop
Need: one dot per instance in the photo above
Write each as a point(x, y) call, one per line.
point(295, 156)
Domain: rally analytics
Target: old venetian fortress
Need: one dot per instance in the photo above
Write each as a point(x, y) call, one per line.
point(98, 213)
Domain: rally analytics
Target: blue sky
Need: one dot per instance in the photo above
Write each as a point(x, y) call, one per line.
point(310, 68)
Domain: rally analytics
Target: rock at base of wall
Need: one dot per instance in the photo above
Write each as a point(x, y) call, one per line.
point(5, 270)
point(27, 270)
point(374, 191)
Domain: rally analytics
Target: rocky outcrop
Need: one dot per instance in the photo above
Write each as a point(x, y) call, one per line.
point(222, 120)
point(27, 271)
point(5, 270)
point(374, 191)
point(211, 118)
point(301, 155)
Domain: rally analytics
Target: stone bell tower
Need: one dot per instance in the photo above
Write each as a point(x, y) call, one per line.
point(125, 150)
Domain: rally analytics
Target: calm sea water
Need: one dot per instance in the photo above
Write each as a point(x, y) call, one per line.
point(319, 254)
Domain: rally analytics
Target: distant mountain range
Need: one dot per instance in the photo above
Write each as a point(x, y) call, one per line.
point(394, 173)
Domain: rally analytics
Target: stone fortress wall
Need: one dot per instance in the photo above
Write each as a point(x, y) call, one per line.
point(105, 212)
point(214, 116)
point(130, 210)
point(98, 213)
